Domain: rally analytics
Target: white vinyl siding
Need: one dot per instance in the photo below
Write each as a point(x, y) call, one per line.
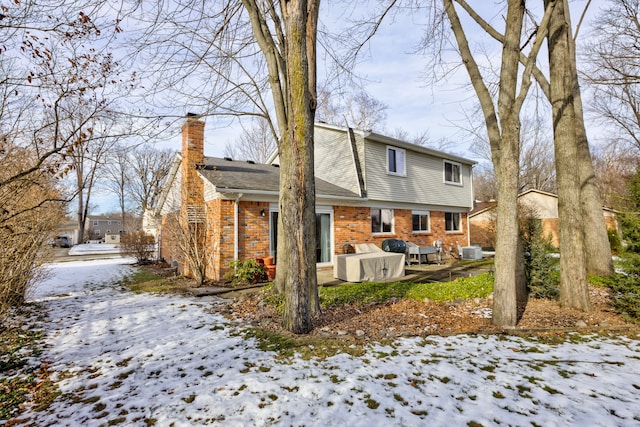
point(173, 200)
point(422, 185)
point(333, 159)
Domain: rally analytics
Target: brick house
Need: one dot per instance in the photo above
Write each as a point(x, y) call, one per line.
point(543, 204)
point(369, 188)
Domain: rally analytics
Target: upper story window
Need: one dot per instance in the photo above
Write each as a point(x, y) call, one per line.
point(452, 172)
point(109, 223)
point(396, 161)
point(420, 221)
point(95, 223)
point(453, 221)
point(381, 220)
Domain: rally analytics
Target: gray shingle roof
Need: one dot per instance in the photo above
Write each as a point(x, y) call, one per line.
point(238, 175)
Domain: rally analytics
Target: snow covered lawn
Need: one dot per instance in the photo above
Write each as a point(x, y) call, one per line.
point(94, 248)
point(138, 360)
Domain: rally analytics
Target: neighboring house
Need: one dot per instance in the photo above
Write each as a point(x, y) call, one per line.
point(67, 229)
point(544, 206)
point(113, 238)
point(369, 188)
point(99, 226)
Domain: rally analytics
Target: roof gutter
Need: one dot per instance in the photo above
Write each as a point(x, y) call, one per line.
point(242, 192)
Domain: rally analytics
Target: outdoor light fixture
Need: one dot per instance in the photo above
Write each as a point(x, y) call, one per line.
point(262, 213)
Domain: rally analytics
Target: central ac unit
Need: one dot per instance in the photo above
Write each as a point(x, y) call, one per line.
point(472, 252)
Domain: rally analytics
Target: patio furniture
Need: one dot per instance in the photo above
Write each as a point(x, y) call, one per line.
point(416, 252)
point(372, 266)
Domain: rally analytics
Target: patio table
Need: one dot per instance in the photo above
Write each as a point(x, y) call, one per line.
point(422, 250)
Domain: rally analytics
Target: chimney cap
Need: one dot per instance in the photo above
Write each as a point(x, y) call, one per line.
point(192, 115)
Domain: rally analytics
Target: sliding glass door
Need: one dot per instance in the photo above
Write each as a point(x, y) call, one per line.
point(324, 235)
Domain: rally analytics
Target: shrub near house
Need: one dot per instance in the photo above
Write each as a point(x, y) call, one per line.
point(139, 245)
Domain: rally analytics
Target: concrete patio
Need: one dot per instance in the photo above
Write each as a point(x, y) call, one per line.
point(444, 271)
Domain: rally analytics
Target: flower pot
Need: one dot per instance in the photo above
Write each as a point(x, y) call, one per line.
point(268, 260)
point(271, 272)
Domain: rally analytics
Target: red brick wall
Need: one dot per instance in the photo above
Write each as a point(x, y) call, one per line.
point(353, 225)
point(168, 250)
point(192, 155)
point(253, 233)
point(253, 238)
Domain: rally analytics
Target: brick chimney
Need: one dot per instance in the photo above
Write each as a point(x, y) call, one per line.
point(192, 157)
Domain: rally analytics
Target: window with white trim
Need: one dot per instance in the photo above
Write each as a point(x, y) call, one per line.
point(396, 161)
point(453, 221)
point(381, 220)
point(452, 172)
point(95, 223)
point(420, 221)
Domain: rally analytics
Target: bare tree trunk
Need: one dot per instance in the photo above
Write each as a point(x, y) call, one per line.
point(503, 129)
point(573, 274)
point(507, 282)
point(596, 240)
point(296, 242)
point(291, 61)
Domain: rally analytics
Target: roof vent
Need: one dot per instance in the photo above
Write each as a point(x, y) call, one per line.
point(275, 165)
point(228, 159)
point(251, 162)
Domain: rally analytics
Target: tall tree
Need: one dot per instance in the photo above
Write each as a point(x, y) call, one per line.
point(573, 273)
point(117, 172)
point(355, 109)
point(287, 40)
point(255, 143)
point(252, 59)
point(503, 130)
point(149, 168)
point(615, 163)
point(86, 161)
point(596, 239)
point(612, 55)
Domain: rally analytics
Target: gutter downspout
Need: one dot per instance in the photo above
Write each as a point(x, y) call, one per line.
point(236, 226)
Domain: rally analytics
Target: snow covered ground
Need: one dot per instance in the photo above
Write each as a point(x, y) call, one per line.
point(125, 359)
point(94, 248)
